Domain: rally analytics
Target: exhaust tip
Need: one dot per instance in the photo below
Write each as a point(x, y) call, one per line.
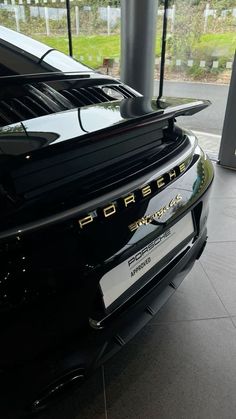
point(57, 389)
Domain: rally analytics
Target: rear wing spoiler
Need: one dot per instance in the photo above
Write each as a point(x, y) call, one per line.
point(163, 108)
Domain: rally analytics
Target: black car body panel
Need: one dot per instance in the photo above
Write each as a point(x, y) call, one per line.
point(97, 184)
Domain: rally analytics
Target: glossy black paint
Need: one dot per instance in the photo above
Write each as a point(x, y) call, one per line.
point(58, 166)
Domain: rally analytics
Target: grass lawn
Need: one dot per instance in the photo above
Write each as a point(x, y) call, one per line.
point(219, 44)
point(92, 49)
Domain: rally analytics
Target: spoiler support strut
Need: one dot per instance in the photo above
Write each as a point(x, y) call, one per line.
point(69, 27)
point(163, 50)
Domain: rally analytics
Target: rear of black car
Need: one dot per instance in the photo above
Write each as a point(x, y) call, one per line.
point(104, 203)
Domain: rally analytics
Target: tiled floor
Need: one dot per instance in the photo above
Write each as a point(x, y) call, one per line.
point(183, 364)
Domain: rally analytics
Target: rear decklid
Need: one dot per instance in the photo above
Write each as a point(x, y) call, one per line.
point(52, 163)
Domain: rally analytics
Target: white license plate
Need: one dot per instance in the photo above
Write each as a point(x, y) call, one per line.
point(115, 282)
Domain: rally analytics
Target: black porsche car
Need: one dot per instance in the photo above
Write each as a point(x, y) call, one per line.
point(103, 203)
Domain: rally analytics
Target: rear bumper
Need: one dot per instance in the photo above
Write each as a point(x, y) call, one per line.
point(148, 306)
point(39, 383)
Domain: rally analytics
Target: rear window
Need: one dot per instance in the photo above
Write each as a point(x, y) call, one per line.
point(20, 54)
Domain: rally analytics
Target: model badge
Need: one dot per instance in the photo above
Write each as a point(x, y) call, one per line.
point(147, 219)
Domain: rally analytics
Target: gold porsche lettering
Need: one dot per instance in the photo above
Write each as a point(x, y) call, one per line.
point(129, 199)
point(108, 211)
point(172, 174)
point(182, 167)
point(160, 182)
point(85, 220)
point(147, 190)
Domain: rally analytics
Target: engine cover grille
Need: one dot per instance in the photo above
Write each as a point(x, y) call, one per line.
point(41, 99)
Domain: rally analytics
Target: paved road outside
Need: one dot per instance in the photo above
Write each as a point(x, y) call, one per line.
point(211, 119)
point(209, 142)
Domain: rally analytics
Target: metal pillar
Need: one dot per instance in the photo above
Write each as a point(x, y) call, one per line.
point(227, 154)
point(163, 49)
point(138, 37)
point(69, 28)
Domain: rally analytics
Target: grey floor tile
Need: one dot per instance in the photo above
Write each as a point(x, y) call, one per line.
point(176, 370)
point(224, 185)
point(194, 299)
point(233, 318)
point(219, 263)
point(222, 220)
point(85, 403)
